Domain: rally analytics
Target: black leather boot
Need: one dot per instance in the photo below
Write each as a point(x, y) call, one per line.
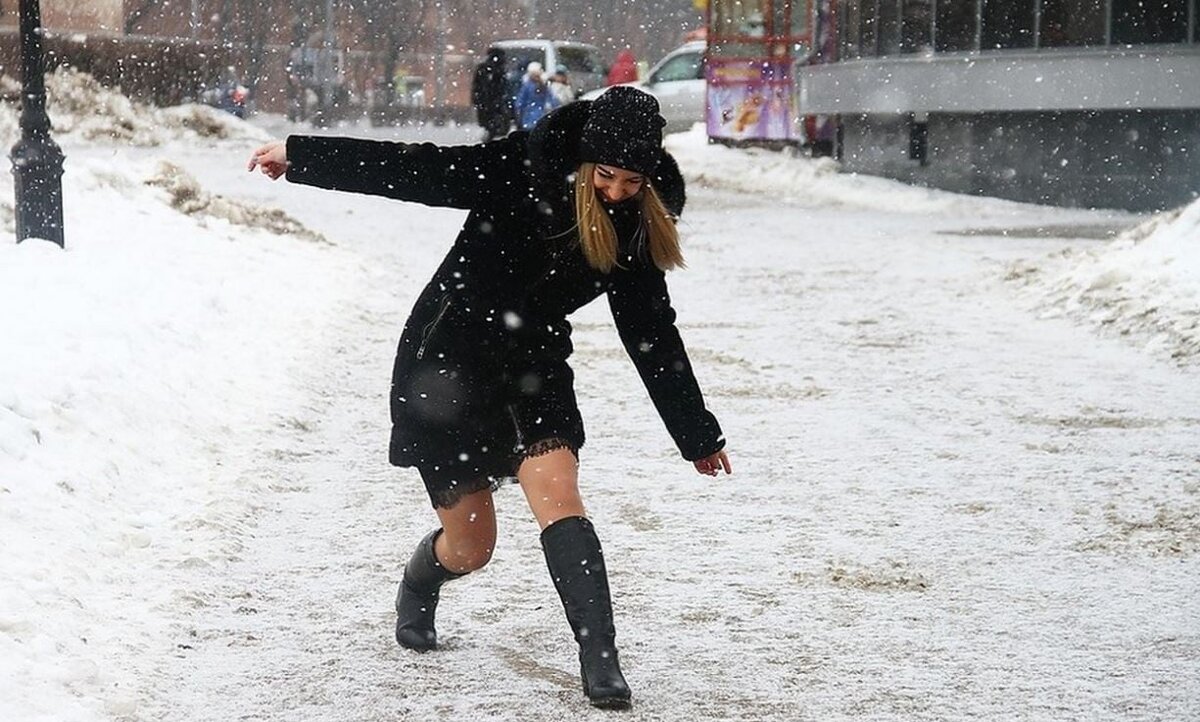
point(577, 566)
point(417, 599)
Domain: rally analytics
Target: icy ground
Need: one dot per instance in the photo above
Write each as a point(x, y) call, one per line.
point(945, 504)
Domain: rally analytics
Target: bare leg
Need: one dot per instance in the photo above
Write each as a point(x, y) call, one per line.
point(463, 544)
point(576, 563)
point(468, 535)
point(551, 485)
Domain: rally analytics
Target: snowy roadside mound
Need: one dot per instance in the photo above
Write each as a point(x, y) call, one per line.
point(814, 181)
point(1145, 285)
point(140, 366)
point(186, 196)
point(80, 108)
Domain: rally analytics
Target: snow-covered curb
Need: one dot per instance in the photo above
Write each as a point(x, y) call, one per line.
point(786, 175)
point(1144, 285)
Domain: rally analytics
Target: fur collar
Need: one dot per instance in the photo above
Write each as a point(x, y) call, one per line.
point(553, 148)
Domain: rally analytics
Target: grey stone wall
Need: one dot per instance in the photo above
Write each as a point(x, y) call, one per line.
point(1134, 160)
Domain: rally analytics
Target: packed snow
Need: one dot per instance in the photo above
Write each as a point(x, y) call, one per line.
point(954, 497)
point(1145, 285)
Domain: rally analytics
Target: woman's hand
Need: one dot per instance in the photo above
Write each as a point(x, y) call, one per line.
point(711, 465)
point(272, 158)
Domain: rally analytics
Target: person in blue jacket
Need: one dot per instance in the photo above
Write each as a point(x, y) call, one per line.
point(535, 98)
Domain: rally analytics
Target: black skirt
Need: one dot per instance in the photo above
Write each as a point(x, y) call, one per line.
point(465, 422)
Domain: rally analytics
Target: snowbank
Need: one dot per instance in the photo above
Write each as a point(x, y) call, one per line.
point(139, 364)
point(80, 108)
point(814, 181)
point(1145, 285)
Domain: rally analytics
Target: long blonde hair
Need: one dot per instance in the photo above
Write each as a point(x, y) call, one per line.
point(598, 238)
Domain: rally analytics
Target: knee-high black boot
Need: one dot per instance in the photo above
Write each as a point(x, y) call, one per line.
point(577, 566)
point(417, 599)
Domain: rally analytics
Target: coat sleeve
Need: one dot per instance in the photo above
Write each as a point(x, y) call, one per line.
point(457, 176)
point(645, 320)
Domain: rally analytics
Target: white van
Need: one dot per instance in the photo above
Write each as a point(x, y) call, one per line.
point(584, 63)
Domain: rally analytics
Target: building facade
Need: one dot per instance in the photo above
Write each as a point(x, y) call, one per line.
point(434, 43)
point(1090, 103)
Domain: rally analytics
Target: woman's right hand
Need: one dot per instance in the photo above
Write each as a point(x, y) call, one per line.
point(713, 463)
point(272, 158)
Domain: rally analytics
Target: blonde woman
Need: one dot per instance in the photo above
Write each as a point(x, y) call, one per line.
point(583, 206)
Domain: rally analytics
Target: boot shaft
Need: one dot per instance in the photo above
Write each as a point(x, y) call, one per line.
point(576, 564)
point(424, 573)
point(417, 598)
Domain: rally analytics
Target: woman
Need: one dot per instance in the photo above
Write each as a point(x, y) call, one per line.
point(584, 205)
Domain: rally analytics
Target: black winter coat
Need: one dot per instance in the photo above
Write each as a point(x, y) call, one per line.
point(481, 367)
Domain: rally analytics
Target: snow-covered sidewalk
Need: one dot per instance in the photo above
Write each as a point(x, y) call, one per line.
point(944, 506)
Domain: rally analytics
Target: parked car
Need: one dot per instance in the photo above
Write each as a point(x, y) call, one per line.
point(678, 82)
point(584, 63)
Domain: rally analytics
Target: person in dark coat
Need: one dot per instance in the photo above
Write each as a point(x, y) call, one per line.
point(583, 206)
point(489, 95)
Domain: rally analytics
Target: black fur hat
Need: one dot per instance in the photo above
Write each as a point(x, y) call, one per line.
point(624, 129)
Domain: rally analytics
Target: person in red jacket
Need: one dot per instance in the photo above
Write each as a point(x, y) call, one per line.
point(624, 70)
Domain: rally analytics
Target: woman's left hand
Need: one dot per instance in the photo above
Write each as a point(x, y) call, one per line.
point(713, 464)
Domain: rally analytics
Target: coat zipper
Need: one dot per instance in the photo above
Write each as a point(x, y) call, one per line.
point(430, 327)
point(516, 426)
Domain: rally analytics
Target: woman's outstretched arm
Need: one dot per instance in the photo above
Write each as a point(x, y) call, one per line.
point(458, 176)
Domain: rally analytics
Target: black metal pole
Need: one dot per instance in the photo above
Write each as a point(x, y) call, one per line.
point(37, 160)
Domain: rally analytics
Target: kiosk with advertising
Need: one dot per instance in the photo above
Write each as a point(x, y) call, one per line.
point(752, 48)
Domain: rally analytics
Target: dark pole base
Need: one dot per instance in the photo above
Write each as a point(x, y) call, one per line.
point(37, 169)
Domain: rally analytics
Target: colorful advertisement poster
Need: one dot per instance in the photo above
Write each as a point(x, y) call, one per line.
point(750, 100)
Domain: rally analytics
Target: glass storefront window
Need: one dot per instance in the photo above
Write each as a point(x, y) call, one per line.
point(738, 18)
point(780, 27)
point(956, 23)
point(889, 27)
point(916, 26)
point(1070, 23)
point(1141, 22)
point(848, 29)
point(867, 28)
point(1007, 24)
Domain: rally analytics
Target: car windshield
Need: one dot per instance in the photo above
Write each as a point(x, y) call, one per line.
point(517, 59)
point(579, 60)
point(685, 66)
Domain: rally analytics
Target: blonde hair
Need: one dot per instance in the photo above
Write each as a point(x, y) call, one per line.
point(598, 238)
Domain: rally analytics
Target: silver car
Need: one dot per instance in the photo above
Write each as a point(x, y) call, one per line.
point(678, 82)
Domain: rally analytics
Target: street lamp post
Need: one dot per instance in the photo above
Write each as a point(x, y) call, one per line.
point(37, 160)
point(324, 115)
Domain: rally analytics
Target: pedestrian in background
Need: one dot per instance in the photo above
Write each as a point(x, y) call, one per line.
point(624, 70)
point(583, 206)
point(490, 97)
point(534, 99)
point(560, 87)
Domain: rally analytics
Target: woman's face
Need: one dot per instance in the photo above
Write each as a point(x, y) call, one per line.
point(616, 184)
